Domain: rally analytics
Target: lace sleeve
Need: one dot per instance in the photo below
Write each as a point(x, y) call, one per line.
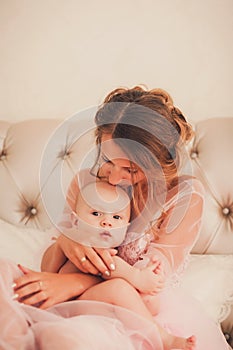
point(178, 231)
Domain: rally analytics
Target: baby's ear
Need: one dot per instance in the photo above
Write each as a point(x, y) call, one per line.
point(74, 219)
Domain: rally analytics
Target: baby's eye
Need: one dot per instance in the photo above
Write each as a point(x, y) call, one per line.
point(117, 217)
point(96, 213)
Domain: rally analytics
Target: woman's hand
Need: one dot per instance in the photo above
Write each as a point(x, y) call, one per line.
point(44, 289)
point(88, 259)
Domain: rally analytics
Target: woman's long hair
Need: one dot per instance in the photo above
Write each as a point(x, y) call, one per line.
point(152, 132)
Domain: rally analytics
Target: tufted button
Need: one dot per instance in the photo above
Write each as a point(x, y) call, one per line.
point(33, 211)
point(2, 156)
point(225, 211)
point(194, 155)
point(64, 154)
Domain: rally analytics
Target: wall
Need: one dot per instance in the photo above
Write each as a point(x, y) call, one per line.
point(60, 56)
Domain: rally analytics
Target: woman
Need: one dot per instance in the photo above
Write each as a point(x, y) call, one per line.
point(141, 138)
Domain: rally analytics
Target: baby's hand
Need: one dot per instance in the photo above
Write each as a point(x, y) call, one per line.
point(158, 268)
point(148, 281)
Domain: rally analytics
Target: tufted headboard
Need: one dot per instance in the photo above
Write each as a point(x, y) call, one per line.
point(32, 152)
point(39, 156)
point(212, 157)
point(23, 147)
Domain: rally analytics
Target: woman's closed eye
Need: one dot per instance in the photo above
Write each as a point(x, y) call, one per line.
point(105, 159)
point(129, 170)
point(132, 170)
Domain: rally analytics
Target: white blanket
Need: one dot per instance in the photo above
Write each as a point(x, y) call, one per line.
point(23, 245)
point(208, 278)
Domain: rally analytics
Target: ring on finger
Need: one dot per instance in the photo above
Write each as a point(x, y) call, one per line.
point(83, 259)
point(40, 285)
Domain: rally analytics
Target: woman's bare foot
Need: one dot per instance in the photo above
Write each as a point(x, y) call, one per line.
point(180, 343)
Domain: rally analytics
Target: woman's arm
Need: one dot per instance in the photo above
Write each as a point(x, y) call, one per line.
point(44, 289)
point(179, 230)
point(176, 235)
point(97, 260)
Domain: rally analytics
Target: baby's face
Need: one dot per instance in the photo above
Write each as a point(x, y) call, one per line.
point(103, 213)
point(101, 216)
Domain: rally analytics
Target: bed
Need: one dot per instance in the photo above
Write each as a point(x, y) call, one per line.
point(35, 154)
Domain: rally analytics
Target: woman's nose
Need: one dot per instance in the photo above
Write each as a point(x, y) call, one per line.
point(115, 176)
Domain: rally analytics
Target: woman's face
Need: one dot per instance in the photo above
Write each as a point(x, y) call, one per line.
point(115, 166)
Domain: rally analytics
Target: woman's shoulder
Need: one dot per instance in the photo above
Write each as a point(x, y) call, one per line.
point(191, 183)
point(186, 186)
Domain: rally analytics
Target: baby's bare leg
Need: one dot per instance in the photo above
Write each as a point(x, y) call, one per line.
point(119, 292)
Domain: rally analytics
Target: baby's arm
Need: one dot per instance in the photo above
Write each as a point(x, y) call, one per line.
point(59, 263)
point(69, 267)
point(147, 280)
point(55, 261)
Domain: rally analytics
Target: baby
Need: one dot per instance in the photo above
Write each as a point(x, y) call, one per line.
point(102, 216)
point(101, 220)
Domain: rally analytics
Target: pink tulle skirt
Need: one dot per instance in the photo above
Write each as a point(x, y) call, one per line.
point(88, 325)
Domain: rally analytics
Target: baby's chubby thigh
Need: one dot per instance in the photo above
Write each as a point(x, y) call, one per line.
point(110, 291)
point(152, 302)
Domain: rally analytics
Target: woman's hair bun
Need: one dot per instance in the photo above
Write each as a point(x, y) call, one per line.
point(157, 99)
point(164, 96)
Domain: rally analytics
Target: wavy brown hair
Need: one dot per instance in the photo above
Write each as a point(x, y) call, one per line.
point(151, 131)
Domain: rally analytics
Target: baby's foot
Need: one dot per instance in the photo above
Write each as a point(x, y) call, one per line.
point(182, 343)
point(190, 343)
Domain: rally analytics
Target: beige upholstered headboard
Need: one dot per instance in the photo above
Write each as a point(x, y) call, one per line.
point(22, 152)
point(212, 158)
point(37, 156)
